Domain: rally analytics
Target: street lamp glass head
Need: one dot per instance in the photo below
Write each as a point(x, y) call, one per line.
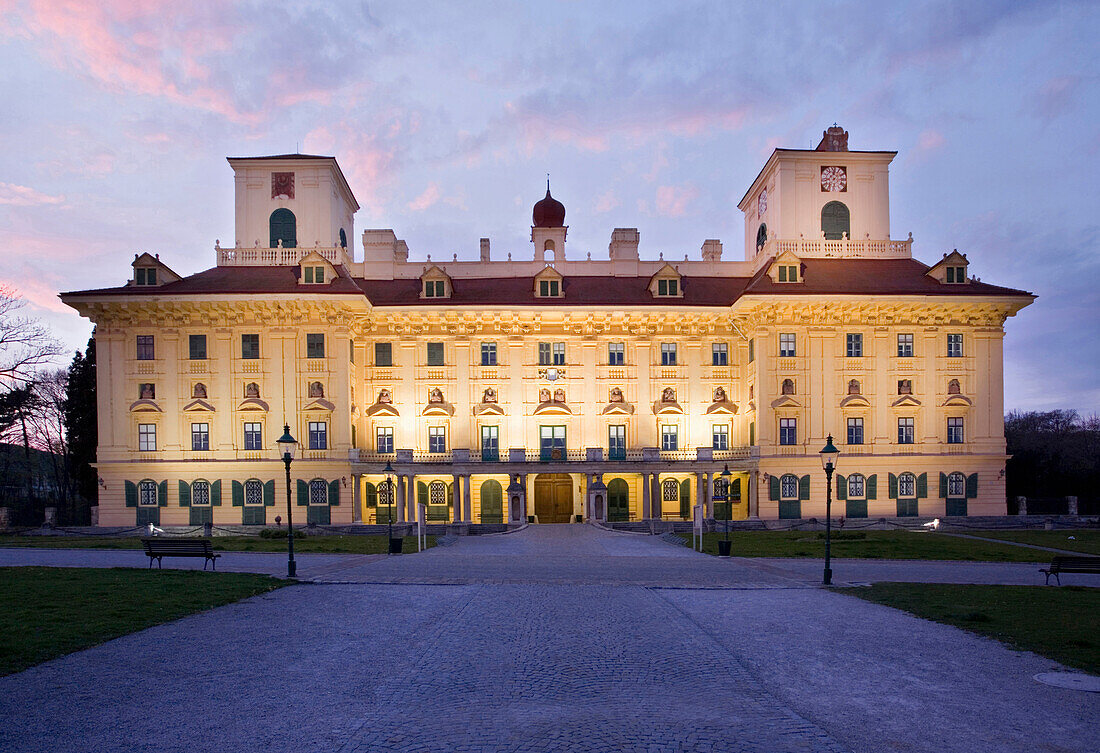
point(829, 454)
point(287, 444)
point(725, 472)
point(388, 470)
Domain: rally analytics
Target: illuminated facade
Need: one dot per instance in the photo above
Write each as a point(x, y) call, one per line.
point(562, 389)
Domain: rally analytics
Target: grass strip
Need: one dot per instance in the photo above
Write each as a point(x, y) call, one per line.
point(334, 544)
point(1060, 623)
point(46, 612)
point(889, 545)
point(1085, 541)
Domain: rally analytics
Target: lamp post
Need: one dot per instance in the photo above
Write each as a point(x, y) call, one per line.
point(391, 505)
point(724, 495)
point(287, 446)
point(829, 455)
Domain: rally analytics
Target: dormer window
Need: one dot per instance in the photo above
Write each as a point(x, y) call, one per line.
point(145, 276)
point(956, 274)
point(788, 273)
point(951, 270)
point(666, 283)
point(435, 283)
point(314, 275)
point(549, 288)
point(668, 287)
point(549, 283)
point(435, 289)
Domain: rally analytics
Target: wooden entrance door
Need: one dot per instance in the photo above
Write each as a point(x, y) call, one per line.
point(554, 497)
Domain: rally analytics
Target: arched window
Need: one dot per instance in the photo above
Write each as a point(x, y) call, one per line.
point(618, 500)
point(492, 502)
point(856, 486)
point(200, 494)
point(548, 250)
point(318, 492)
point(147, 493)
point(370, 494)
point(907, 486)
point(788, 487)
point(670, 490)
point(956, 485)
point(788, 387)
point(836, 221)
point(437, 493)
point(761, 237)
point(253, 492)
point(343, 239)
point(283, 228)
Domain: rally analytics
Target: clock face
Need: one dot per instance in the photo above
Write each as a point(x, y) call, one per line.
point(762, 203)
point(834, 179)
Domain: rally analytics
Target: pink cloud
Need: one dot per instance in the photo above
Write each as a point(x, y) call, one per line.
point(367, 161)
point(607, 202)
point(40, 294)
point(429, 197)
point(930, 140)
point(673, 201)
point(22, 196)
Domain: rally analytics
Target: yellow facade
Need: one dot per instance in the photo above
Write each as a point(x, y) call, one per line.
point(464, 373)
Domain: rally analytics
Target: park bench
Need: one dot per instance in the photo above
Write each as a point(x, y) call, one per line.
point(1069, 564)
point(158, 548)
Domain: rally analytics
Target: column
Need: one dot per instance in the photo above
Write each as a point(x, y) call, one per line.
point(356, 498)
point(400, 498)
point(467, 506)
point(526, 496)
point(701, 493)
point(754, 491)
point(646, 489)
point(656, 497)
point(456, 485)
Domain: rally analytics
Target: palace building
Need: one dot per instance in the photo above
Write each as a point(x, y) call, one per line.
point(553, 386)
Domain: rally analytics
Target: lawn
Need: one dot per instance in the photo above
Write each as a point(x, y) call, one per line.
point(890, 545)
point(46, 612)
point(1061, 623)
point(352, 544)
point(1086, 541)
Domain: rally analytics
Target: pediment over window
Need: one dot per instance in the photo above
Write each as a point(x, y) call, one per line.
point(904, 400)
point(253, 403)
point(962, 400)
point(382, 409)
point(786, 268)
point(319, 403)
point(314, 269)
point(786, 401)
point(199, 405)
point(618, 409)
point(666, 282)
point(145, 405)
point(549, 283)
point(150, 271)
point(667, 408)
point(435, 283)
point(722, 407)
point(855, 401)
point(488, 409)
point(552, 408)
point(438, 409)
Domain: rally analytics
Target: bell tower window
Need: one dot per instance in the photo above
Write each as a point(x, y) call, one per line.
point(836, 221)
point(284, 227)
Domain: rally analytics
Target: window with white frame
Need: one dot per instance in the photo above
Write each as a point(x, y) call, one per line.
point(318, 492)
point(559, 354)
point(200, 494)
point(854, 345)
point(145, 350)
point(616, 354)
point(253, 436)
point(669, 437)
point(383, 440)
point(956, 485)
point(147, 493)
point(905, 345)
point(788, 431)
point(318, 435)
point(855, 430)
point(907, 486)
point(437, 439)
point(200, 437)
point(856, 486)
point(954, 431)
point(906, 431)
point(434, 289)
point(786, 345)
point(437, 493)
point(788, 486)
point(954, 346)
point(668, 287)
point(668, 354)
point(147, 437)
point(670, 490)
point(720, 437)
point(719, 354)
point(549, 288)
point(488, 354)
point(253, 492)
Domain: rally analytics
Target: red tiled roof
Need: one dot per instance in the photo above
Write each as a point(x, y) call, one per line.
point(240, 280)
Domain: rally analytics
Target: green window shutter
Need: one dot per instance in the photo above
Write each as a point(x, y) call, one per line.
point(303, 493)
point(269, 493)
point(804, 487)
point(421, 493)
point(773, 488)
point(893, 486)
point(685, 498)
point(370, 494)
point(943, 485)
point(872, 486)
point(131, 493)
point(238, 494)
point(841, 487)
point(451, 494)
point(334, 493)
point(972, 486)
point(216, 493)
point(185, 494)
point(922, 486)
point(162, 494)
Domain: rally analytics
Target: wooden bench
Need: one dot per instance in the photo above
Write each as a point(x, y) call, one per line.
point(1069, 564)
point(158, 548)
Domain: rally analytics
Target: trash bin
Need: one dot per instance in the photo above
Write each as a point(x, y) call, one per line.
point(395, 545)
point(724, 548)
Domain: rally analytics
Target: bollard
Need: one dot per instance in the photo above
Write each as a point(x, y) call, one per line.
point(208, 529)
point(1022, 502)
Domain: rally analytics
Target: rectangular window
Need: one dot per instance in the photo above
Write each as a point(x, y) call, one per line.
point(437, 439)
point(668, 354)
point(905, 345)
point(383, 354)
point(954, 431)
point(667, 287)
point(552, 443)
point(956, 274)
point(669, 437)
point(544, 354)
point(490, 446)
point(907, 485)
point(145, 350)
point(250, 346)
point(307, 275)
point(434, 289)
point(200, 437)
point(383, 440)
point(196, 347)
point(559, 354)
point(616, 442)
point(720, 437)
point(956, 485)
point(253, 436)
point(147, 437)
point(315, 345)
point(854, 345)
point(318, 435)
point(954, 346)
point(752, 351)
point(616, 354)
point(788, 431)
point(906, 431)
point(855, 431)
point(855, 487)
point(549, 288)
point(752, 433)
point(786, 345)
point(719, 354)
point(783, 274)
point(488, 354)
point(435, 354)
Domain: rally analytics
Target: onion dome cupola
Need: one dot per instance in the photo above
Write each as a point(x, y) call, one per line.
point(548, 212)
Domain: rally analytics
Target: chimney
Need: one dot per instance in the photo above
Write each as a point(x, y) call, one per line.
point(712, 250)
point(485, 249)
point(624, 243)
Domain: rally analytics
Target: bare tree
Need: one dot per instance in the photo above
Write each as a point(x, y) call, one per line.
point(25, 343)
